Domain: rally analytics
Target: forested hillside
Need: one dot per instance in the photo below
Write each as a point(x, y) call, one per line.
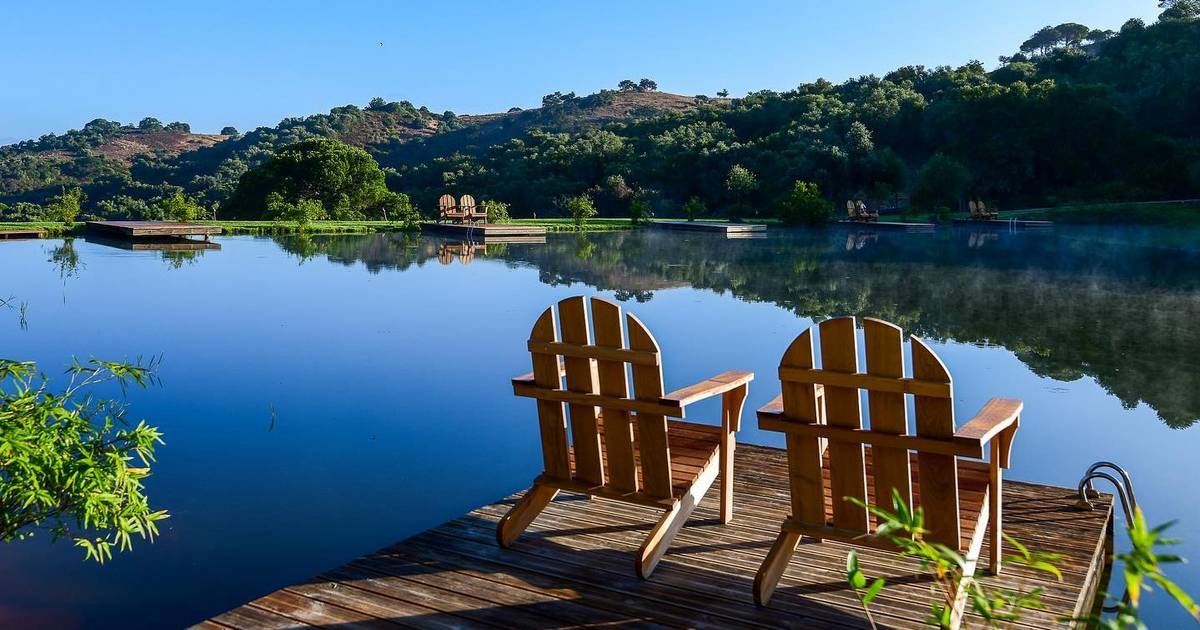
point(1075, 114)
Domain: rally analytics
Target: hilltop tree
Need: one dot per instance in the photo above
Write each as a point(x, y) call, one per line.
point(229, 131)
point(723, 94)
point(179, 127)
point(345, 180)
point(627, 86)
point(150, 124)
point(647, 85)
point(1179, 9)
point(377, 103)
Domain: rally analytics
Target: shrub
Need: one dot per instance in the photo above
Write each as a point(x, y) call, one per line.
point(581, 209)
point(66, 205)
point(181, 208)
point(302, 212)
point(639, 211)
point(694, 208)
point(497, 211)
point(805, 205)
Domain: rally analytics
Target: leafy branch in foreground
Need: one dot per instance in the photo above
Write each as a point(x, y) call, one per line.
point(905, 529)
point(1143, 570)
point(72, 464)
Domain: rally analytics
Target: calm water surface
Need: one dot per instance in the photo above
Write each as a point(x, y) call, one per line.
point(386, 361)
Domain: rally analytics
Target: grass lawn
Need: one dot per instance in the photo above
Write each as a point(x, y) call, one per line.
point(1144, 213)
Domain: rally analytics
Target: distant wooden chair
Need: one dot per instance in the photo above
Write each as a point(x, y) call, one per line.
point(851, 210)
point(471, 211)
point(985, 213)
point(819, 410)
point(621, 446)
point(980, 211)
point(448, 210)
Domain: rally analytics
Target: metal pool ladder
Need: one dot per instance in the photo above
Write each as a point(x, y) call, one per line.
point(1124, 487)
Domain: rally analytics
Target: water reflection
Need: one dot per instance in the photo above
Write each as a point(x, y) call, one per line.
point(1117, 305)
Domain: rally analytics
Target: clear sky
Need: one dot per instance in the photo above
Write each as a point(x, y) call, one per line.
point(251, 63)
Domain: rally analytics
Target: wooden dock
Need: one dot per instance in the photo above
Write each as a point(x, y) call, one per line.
point(575, 567)
point(728, 229)
point(147, 229)
point(1005, 223)
point(11, 235)
point(480, 231)
point(889, 225)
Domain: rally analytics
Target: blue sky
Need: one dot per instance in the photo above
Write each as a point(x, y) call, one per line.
point(251, 63)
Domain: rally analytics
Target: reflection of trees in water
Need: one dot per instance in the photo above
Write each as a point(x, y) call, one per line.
point(65, 259)
point(177, 259)
point(1119, 307)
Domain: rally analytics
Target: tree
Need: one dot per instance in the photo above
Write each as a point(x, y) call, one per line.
point(1041, 42)
point(181, 208)
point(639, 211)
point(345, 180)
point(72, 465)
point(229, 131)
point(497, 211)
point(627, 85)
point(581, 209)
point(741, 184)
point(377, 103)
point(723, 94)
point(858, 139)
point(942, 182)
point(805, 205)
point(302, 212)
point(694, 208)
point(1179, 9)
point(150, 124)
point(66, 205)
point(647, 85)
point(179, 127)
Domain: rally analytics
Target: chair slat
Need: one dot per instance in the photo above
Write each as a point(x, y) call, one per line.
point(885, 357)
point(848, 473)
point(652, 429)
point(939, 473)
point(551, 418)
point(804, 453)
point(618, 429)
point(581, 377)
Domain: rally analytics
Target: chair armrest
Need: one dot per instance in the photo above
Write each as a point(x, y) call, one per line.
point(719, 384)
point(527, 378)
point(998, 417)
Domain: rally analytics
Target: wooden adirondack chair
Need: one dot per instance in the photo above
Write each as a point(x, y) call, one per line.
point(985, 213)
point(448, 210)
point(974, 209)
point(622, 447)
point(819, 410)
point(851, 210)
point(473, 212)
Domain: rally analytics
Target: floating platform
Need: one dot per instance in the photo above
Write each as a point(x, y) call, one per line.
point(145, 229)
point(1005, 223)
point(728, 229)
point(574, 566)
point(480, 231)
point(889, 225)
point(12, 235)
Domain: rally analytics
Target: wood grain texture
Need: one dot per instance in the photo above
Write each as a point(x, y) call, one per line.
point(888, 412)
point(618, 426)
point(799, 403)
point(571, 569)
point(935, 419)
point(654, 450)
point(581, 378)
point(839, 353)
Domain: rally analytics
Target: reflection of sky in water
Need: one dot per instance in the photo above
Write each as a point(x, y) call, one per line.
point(387, 361)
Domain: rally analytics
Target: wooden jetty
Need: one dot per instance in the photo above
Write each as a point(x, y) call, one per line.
point(10, 235)
point(479, 231)
point(1006, 223)
point(889, 225)
point(728, 229)
point(147, 229)
point(573, 567)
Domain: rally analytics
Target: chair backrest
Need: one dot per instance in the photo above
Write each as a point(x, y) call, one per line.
point(445, 204)
point(982, 208)
point(887, 388)
point(595, 353)
point(851, 210)
point(974, 209)
point(466, 203)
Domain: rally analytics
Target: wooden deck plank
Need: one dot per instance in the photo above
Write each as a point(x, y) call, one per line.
point(481, 231)
point(142, 229)
point(20, 234)
point(729, 229)
point(574, 567)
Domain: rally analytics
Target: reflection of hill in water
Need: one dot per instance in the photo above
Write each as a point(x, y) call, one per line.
point(1119, 306)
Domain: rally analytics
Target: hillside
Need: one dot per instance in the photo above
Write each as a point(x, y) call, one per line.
point(1076, 115)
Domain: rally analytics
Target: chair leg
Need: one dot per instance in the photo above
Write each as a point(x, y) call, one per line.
point(728, 442)
point(995, 524)
point(774, 565)
point(660, 537)
point(522, 514)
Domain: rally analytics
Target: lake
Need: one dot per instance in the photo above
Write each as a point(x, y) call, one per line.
point(322, 397)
